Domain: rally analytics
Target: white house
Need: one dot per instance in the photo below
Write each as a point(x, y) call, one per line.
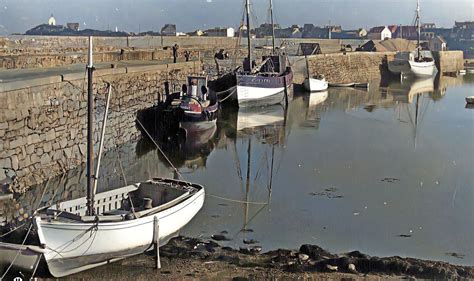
point(438, 44)
point(379, 33)
point(220, 32)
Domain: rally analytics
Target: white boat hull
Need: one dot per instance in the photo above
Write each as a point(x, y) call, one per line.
point(259, 96)
point(74, 247)
point(405, 64)
point(315, 85)
point(422, 69)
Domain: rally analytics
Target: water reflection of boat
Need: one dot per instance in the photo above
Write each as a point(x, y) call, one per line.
point(257, 118)
point(312, 115)
point(409, 88)
point(189, 148)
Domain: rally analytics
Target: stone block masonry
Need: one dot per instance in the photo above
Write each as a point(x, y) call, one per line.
point(449, 61)
point(354, 67)
point(43, 127)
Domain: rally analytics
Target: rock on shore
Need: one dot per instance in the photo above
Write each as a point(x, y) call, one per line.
point(205, 259)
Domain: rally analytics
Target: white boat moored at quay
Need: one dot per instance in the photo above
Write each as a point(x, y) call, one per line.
point(87, 232)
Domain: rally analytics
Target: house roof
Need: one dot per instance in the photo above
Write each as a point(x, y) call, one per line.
point(377, 29)
point(392, 28)
point(389, 45)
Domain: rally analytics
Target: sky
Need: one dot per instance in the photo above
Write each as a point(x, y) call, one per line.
point(17, 16)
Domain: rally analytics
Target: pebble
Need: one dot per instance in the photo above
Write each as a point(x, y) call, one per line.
point(303, 257)
point(250, 241)
point(351, 267)
point(220, 237)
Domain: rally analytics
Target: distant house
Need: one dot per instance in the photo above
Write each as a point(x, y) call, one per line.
point(265, 30)
point(428, 25)
point(350, 34)
point(379, 33)
point(196, 33)
point(334, 28)
point(291, 32)
point(73, 26)
point(220, 32)
point(438, 44)
point(406, 32)
point(463, 31)
point(311, 31)
point(169, 30)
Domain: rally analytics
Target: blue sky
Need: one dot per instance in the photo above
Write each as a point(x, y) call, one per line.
point(17, 16)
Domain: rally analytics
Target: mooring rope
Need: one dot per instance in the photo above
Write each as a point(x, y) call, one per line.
point(233, 91)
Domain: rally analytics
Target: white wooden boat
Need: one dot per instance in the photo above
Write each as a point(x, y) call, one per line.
point(419, 63)
point(74, 242)
point(83, 233)
point(315, 84)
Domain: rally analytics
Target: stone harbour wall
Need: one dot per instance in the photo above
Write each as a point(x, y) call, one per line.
point(449, 61)
point(43, 127)
point(354, 67)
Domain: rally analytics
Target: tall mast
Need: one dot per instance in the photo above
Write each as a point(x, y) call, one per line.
point(418, 22)
point(273, 26)
point(90, 132)
point(249, 56)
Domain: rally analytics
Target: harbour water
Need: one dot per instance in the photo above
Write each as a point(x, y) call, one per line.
point(386, 171)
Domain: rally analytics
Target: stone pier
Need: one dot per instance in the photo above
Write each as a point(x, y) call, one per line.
point(43, 120)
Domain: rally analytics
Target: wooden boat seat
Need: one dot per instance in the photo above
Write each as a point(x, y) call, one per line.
point(162, 206)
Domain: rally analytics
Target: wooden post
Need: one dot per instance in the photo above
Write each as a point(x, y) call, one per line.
point(286, 91)
point(167, 89)
point(156, 242)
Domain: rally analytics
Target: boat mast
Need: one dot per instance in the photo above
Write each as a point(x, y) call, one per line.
point(273, 26)
point(249, 56)
point(418, 23)
point(90, 132)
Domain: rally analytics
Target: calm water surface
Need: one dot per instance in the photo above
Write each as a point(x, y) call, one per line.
point(387, 171)
point(353, 171)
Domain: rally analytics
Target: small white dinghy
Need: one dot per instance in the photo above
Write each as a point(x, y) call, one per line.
point(315, 84)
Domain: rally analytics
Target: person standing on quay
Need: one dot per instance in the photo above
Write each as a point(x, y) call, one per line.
point(175, 52)
point(187, 55)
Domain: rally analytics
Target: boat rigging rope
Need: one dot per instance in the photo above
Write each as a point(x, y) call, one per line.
point(17, 253)
point(13, 230)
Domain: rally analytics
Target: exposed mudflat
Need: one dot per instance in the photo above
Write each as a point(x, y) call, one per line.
point(190, 258)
